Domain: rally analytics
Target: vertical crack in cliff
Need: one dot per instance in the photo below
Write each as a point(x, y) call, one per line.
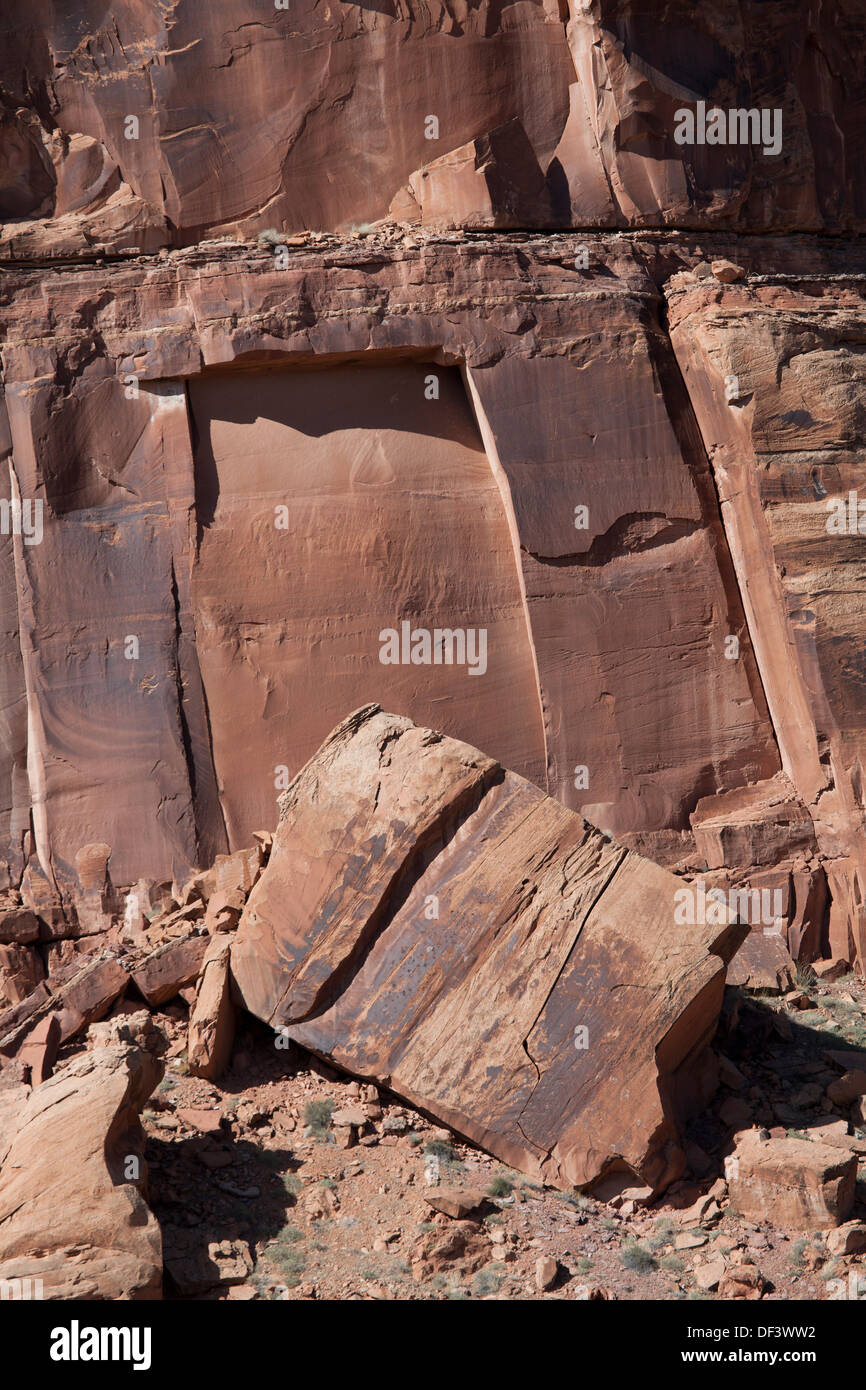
point(504, 486)
point(36, 740)
point(690, 437)
point(185, 733)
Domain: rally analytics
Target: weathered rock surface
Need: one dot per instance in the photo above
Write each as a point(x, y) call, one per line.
point(801, 1184)
point(165, 972)
point(39, 1052)
point(436, 923)
point(314, 419)
point(85, 998)
point(141, 128)
point(70, 1214)
point(212, 1019)
point(256, 544)
point(18, 926)
point(787, 448)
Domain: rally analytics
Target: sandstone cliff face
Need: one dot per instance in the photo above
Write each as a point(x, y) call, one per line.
point(145, 125)
point(589, 473)
point(256, 479)
point(495, 362)
point(787, 454)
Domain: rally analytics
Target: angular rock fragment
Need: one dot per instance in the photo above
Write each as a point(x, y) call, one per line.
point(39, 1052)
point(762, 964)
point(755, 825)
point(849, 1239)
point(454, 1202)
point(224, 910)
point(20, 972)
point(162, 974)
point(436, 923)
point(797, 1184)
point(18, 925)
point(743, 1281)
point(849, 1087)
point(82, 1000)
point(212, 1021)
point(11, 1019)
point(72, 1183)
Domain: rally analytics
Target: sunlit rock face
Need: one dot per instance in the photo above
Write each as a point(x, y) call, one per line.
point(393, 528)
point(147, 126)
point(429, 478)
point(495, 363)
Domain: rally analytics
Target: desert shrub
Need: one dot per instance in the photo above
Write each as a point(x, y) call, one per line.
point(637, 1258)
point(443, 1150)
point(317, 1117)
point(485, 1283)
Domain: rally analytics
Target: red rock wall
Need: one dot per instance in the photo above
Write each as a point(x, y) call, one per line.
point(672, 635)
point(550, 113)
point(393, 515)
point(605, 645)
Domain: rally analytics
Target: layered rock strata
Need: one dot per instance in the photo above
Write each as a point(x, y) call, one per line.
point(262, 480)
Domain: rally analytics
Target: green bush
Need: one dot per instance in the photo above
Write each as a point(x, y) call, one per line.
point(486, 1283)
point(317, 1117)
point(637, 1258)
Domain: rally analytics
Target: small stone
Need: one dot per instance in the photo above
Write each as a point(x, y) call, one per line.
point(708, 1276)
point(690, 1240)
point(546, 1272)
point(727, 272)
point(351, 1115)
point(453, 1202)
point(205, 1121)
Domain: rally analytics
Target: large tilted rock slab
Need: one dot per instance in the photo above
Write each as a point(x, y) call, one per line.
point(436, 923)
point(71, 1214)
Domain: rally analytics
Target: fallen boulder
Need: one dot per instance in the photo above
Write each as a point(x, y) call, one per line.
point(21, 970)
point(434, 922)
point(212, 1021)
point(18, 926)
point(83, 999)
point(72, 1206)
point(798, 1184)
point(849, 1239)
point(454, 1202)
point(163, 973)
